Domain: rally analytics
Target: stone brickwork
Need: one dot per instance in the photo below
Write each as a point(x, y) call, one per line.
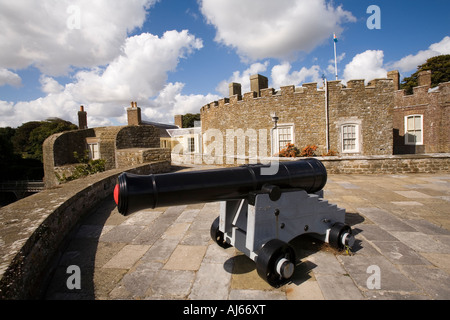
point(433, 104)
point(432, 163)
point(59, 148)
point(58, 151)
point(135, 156)
point(107, 144)
point(138, 137)
point(307, 109)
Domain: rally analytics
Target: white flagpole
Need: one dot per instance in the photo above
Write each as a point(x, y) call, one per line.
point(335, 60)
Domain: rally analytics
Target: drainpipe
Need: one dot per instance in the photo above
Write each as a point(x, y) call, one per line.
point(272, 144)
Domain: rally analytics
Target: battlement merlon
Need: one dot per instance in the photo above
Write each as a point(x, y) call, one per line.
point(384, 85)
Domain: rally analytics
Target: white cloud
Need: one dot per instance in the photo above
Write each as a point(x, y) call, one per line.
point(50, 85)
point(274, 29)
point(411, 62)
point(242, 77)
point(41, 33)
point(282, 75)
point(9, 78)
point(367, 65)
point(139, 73)
point(171, 101)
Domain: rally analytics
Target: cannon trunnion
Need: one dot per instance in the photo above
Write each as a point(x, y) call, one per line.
point(260, 212)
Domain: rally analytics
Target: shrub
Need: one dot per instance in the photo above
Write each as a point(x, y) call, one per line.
point(308, 151)
point(289, 151)
point(330, 153)
point(86, 167)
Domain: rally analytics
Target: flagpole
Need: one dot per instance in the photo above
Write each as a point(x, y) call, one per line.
point(335, 57)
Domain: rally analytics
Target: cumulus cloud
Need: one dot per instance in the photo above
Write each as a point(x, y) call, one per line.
point(273, 29)
point(171, 101)
point(370, 64)
point(367, 65)
point(139, 73)
point(242, 77)
point(57, 35)
point(411, 62)
point(282, 75)
point(50, 85)
point(9, 78)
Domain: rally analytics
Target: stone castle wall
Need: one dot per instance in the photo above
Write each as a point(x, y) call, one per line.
point(434, 105)
point(371, 107)
point(58, 149)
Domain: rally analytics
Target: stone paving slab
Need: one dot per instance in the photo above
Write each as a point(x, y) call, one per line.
point(402, 251)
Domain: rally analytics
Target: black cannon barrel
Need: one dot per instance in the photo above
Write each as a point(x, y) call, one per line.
point(136, 192)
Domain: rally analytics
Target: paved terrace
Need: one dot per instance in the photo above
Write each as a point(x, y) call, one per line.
point(401, 222)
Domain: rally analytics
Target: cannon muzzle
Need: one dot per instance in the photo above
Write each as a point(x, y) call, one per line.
point(137, 192)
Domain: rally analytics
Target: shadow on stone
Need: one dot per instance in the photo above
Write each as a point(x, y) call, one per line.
point(79, 249)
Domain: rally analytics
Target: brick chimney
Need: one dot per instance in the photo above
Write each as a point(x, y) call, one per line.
point(394, 75)
point(258, 82)
point(134, 115)
point(82, 119)
point(178, 118)
point(234, 89)
point(424, 78)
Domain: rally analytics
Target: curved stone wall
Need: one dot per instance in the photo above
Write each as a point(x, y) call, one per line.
point(33, 230)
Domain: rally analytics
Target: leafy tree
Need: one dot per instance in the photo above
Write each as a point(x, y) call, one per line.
point(21, 148)
point(189, 118)
point(6, 146)
point(440, 72)
point(31, 135)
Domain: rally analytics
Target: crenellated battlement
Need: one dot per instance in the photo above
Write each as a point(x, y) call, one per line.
point(356, 86)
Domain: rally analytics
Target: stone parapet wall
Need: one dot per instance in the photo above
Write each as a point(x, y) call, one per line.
point(388, 165)
point(424, 163)
point(33, 230)
point(135, 156)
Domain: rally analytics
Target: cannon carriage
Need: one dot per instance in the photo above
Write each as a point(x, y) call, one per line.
point(261, 210)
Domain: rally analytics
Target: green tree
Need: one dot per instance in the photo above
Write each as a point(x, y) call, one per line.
point(189, 119)
point(440, 72)
point(6, 146)
point(30, 136)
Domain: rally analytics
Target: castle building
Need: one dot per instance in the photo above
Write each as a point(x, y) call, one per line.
point(351, 120)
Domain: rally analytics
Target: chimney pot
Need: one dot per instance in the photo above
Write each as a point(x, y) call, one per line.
point(424, 78)
point(82, 118)
point(258, 82)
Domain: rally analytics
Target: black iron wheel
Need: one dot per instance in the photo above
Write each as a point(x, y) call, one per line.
point(337, 232)
point(275, 262)
point(218, 235)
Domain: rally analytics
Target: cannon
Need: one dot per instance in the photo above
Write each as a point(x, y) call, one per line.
point(260, 213)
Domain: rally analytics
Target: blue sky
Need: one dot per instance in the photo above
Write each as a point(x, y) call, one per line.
point(174, 56)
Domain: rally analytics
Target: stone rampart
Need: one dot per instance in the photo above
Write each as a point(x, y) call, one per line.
point(135, 156)
point(33, 230)
point(380, 164)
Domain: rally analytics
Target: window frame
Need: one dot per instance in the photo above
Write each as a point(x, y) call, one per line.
point(407, 134)
point(94, 149)
point(289, 126)
point(357, 148)
point(191, 143)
